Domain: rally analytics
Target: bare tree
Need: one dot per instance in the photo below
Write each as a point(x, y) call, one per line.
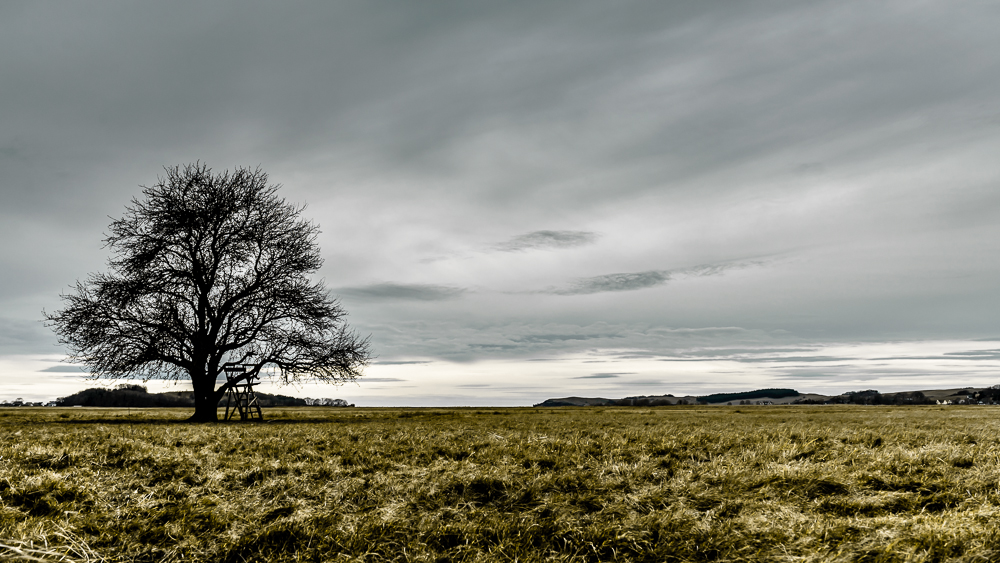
point(209, 269)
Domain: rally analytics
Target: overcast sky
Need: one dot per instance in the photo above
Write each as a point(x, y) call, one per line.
point(522, 200)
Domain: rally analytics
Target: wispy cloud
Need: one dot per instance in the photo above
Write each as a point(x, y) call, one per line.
point(631, 281)
point(605, 375)
point(65, 369)
point(402, 292)
point(547, 240)
point(532, 338)
point(964, 355)
point(615, 282)
point(643, 382)
point(976, 355)
point(794, 359)
point(379, 379)
point(717, 269)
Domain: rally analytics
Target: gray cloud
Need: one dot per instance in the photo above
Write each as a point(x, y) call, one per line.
point(976, 355)
point(801, 374)
point(642, 382)
point(548, 240)
point(65, 369)
point(532, 338)
point(493, 347)
point(726, 353)
point(615, 282)
point(403, 292)
point(793, 359)
point(967, 355)
point(718, 269)
point(605, 375)
point(20, 336)
point(650, 278)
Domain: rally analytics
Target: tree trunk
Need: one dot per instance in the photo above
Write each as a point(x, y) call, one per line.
point(206, 408)
point(206, 398)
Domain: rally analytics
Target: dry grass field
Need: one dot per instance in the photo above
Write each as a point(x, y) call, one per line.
point(562, 484)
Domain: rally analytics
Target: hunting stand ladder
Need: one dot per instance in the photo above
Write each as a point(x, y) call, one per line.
point(240, 397)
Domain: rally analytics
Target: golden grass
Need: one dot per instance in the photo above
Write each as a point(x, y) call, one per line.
point(831, 483)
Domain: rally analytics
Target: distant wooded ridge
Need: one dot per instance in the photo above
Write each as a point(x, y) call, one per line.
point(646, 400)
point(758, 394)
point(961, 395)
point(136, 396)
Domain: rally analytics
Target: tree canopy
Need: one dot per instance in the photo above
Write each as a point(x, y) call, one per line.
point(209, 269)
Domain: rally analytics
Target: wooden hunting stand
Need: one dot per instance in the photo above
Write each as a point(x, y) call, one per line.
point(240, 397)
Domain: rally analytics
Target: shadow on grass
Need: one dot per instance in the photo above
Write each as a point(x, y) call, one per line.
point(268, 422)
point(184, 422)
point(149, 417)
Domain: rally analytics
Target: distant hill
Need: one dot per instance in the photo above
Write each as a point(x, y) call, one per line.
point(576, 402)
point(136, 396)
point(626, 402)
point(960, 395)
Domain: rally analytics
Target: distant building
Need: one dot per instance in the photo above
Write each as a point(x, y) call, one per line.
point(327, 402)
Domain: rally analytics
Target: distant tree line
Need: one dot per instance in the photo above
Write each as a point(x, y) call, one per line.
point(137, 396)
point(714, 398)
point(659, 401)
point(873, 397)
point(748, 395)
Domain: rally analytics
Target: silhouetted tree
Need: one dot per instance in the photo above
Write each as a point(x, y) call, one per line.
point(208, 269)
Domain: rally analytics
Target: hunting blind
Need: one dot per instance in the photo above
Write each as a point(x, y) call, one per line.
point(240, 396)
